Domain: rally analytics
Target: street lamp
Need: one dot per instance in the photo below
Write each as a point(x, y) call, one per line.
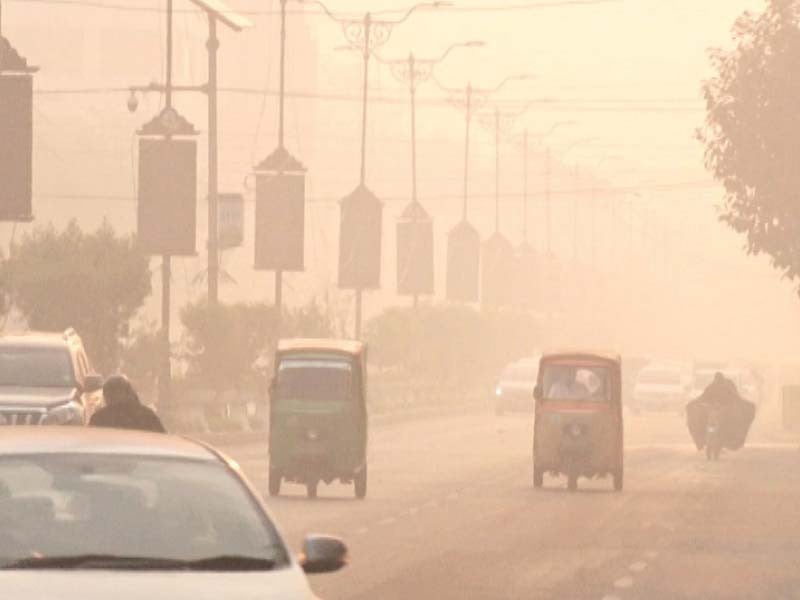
point(280, 201)
point(415, 270)
point(216, 12)
point(361, 212)
point(167, 201)
point(463, 242)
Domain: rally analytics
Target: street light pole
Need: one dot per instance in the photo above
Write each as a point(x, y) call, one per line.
point(281, 106)
point(165, 372)
point(213, 166)
point(367, 35)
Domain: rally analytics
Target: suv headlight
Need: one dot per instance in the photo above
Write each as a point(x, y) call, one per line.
point(70, 413)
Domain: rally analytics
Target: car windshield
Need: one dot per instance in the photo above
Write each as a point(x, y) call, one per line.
point(35, 367)
point(569, 382)
point(128, 506)
point(316, 379)
point(660, 377)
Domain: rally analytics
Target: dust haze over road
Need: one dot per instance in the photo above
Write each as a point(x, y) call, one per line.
point(452, 514)
point(582, 174)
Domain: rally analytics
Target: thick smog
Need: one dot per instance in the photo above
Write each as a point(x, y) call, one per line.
point(355, 299)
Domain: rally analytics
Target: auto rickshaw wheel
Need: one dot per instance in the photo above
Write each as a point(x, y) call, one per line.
point(311, 489)
point(274, 482)
point(538, 477)
point(618, 479)
point(360, 483)
point(572, 482)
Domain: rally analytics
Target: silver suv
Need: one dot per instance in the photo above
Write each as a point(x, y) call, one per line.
point(46, 379)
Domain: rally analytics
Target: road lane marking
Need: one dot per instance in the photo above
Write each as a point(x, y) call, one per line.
point(638, 566)
point(624, 583)
point(413, 511)
point(387, 521)
point(362, 530)
point(651, 554)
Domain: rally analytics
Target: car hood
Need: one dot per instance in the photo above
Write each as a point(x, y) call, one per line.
point(35, 397)
point(284, 584)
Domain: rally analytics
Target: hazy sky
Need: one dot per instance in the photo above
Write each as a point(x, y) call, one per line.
point(625, 73)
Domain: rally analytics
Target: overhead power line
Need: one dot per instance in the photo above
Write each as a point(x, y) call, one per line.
point(678, 186)
point(575, 104)
point(490, 8)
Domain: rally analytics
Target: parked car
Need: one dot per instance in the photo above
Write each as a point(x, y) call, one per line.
point(661, 387)
point(47, 379)
point(91, 514)
point(513, 390)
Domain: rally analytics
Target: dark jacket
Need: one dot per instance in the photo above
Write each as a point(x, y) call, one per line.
point(127, 415)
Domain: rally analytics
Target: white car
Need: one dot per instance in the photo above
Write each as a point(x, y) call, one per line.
point(661, 388)
point(91, 514)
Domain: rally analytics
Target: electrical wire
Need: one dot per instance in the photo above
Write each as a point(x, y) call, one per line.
point(488, 8)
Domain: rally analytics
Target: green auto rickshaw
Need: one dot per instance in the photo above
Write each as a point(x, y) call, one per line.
point(318, 414)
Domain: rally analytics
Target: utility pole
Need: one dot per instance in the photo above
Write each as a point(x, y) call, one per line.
point(414, 71)
point(165, 373)
point(213, 165)
point(365, 35)
point(168, 124)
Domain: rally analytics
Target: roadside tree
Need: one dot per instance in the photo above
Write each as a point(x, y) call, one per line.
point(752, 132)
point(95, 282)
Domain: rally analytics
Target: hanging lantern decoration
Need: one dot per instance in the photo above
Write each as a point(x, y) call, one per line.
point(280, 213)
point(498, 271)
point(415, 251)
point(16, 135)
point(167, 203)
point(526, 277)
point(463, 263)
point(360, 240)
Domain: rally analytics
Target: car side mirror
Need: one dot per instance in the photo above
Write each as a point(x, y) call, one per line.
point(93, 383)
point(537, 393)
point(323, 554)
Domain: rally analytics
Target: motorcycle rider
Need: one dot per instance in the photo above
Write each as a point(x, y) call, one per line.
point(720, 392)
point(123, 408)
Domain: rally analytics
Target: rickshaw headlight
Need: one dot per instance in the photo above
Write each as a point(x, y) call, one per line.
point(575, 430)
point(498, 391)
point(312, 434)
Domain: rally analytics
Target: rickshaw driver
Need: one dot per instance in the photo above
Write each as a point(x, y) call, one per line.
point(567, 386)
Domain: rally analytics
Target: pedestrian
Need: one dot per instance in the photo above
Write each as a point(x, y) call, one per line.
point(123, 409)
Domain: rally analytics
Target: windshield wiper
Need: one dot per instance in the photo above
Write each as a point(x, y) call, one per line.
point(111, 561)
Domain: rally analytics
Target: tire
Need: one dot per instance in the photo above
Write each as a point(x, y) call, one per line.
point(360, 484)
point(619, 476)
point(311, 489)
point(274, 482)
point(538, 477)
point(572, 482)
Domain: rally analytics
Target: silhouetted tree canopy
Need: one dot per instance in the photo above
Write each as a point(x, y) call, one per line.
point(228, 346)
point(450, 345)
point(752, 132)
point(94, 282)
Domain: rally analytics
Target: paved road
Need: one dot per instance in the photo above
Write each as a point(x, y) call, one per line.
point(451, 513)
